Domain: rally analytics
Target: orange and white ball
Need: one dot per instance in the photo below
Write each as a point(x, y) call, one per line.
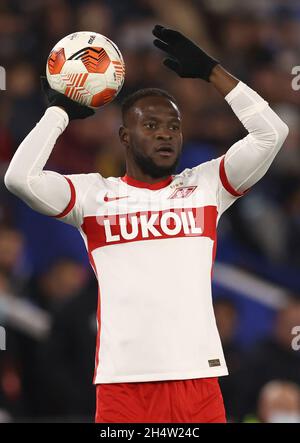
point(87, 67)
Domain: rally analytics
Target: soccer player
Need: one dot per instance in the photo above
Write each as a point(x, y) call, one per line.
point(151, 238)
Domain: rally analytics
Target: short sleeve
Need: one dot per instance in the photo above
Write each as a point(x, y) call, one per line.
point(79, 186)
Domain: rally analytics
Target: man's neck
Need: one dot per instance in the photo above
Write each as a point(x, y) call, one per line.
point(137, 174)
point(154, 185)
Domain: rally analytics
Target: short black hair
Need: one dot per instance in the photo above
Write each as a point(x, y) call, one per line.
point(131, 99)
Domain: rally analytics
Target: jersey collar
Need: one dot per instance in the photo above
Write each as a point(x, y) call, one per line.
point(139, 184)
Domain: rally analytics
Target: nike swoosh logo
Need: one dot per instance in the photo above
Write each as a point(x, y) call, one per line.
point(110, 199)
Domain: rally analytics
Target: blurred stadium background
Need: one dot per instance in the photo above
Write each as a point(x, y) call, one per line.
point(48, 293)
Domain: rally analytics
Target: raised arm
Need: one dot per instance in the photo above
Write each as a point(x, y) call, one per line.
point(45, 191)
point(248, 159)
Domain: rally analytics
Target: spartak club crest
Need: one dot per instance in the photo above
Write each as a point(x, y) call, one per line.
point(183, 192)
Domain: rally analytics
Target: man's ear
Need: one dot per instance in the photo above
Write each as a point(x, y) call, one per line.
point(124, 135)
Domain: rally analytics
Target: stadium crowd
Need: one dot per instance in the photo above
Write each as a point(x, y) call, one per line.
point(48, 293)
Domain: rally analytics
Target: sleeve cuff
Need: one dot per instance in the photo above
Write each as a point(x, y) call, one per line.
point(61, 115)
point(243, 99)
point(234, 92)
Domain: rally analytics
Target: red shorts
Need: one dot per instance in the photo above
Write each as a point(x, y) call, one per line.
point(181, 401)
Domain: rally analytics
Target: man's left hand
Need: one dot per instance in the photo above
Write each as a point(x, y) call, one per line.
point(184, 56)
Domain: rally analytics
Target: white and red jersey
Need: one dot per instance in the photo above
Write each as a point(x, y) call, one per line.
point(152, 248)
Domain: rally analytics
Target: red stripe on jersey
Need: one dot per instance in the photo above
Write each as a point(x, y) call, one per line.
point(140, 184)
point(98, 336)
point(71, 202)
point(98, 318)
point(225, 181)
point(214, 252)
point(150, 225)
point(92, 262)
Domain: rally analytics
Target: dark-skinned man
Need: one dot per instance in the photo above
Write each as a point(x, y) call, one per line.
point(151, 238)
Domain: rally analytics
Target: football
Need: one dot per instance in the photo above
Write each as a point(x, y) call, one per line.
point(87, 67)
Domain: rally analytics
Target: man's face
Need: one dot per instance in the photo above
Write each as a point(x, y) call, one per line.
point(153, 136)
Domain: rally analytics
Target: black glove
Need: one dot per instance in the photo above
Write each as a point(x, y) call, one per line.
point(185, 58)
point(72, 108)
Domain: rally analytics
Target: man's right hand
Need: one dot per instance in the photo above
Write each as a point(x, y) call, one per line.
point(72, 108)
